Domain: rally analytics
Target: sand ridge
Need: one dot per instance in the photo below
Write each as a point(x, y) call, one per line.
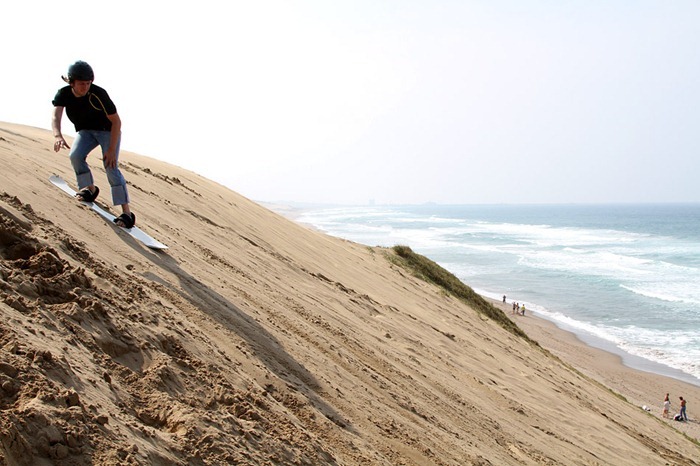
point(254, 340)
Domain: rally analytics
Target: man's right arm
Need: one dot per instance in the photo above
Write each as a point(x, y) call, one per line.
point(59, 142)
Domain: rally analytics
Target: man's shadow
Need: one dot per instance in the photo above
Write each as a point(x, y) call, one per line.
point(263, 344)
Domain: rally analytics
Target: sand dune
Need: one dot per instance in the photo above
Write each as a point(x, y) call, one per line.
point(254, 340)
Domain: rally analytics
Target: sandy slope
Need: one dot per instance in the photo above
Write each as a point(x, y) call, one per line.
point(253, 340)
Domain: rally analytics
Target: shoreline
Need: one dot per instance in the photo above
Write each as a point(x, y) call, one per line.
point(639, 387)
point(630, 360)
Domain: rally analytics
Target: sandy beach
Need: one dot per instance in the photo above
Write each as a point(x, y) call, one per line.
point(639, 387)
point(255, 340)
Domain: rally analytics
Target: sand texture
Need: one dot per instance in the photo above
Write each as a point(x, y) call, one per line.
point(255, 340)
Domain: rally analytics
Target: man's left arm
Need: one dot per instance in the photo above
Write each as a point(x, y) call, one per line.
point(111, 155)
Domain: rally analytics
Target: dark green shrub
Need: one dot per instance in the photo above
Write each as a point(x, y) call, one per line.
point(427, 270)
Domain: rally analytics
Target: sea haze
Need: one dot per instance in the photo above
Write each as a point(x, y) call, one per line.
point(622, 277)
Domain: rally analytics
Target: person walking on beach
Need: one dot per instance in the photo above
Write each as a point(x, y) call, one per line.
point(683, 415)
point(667, 406)
point(97, 122)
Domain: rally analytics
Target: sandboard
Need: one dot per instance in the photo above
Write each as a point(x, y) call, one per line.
point(134, 232)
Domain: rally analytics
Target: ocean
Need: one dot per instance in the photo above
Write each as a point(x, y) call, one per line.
point(624, 278)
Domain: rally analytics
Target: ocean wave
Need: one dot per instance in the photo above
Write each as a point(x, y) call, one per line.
point(669, 292)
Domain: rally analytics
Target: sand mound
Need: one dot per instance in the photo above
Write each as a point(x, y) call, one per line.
point(253, 340)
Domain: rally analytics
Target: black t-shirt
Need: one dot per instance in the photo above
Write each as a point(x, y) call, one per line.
point(88, 112)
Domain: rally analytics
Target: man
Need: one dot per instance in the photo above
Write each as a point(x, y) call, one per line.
point(683, 415)
point(96, 121)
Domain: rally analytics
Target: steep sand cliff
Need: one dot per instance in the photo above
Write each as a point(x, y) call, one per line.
point(254, 340)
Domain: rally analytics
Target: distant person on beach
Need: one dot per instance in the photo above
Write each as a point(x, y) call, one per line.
point(667, 406)
point(522, 310)
point(683, 415)
point(504, 298)
point(97, 123)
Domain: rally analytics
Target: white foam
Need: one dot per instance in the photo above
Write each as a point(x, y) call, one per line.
point(678, 350)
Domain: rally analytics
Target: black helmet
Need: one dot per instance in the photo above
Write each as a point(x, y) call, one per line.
point(80, 71)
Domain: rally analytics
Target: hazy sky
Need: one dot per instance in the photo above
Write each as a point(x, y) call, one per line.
point(399, 101)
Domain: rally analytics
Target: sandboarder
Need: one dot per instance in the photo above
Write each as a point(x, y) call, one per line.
point(97, 122)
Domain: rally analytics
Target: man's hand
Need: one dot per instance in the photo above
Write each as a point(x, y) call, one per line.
point(110, 159)
point(60, 143)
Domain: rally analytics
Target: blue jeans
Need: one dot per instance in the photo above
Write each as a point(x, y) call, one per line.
point(84, 143)
point(683, 415)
